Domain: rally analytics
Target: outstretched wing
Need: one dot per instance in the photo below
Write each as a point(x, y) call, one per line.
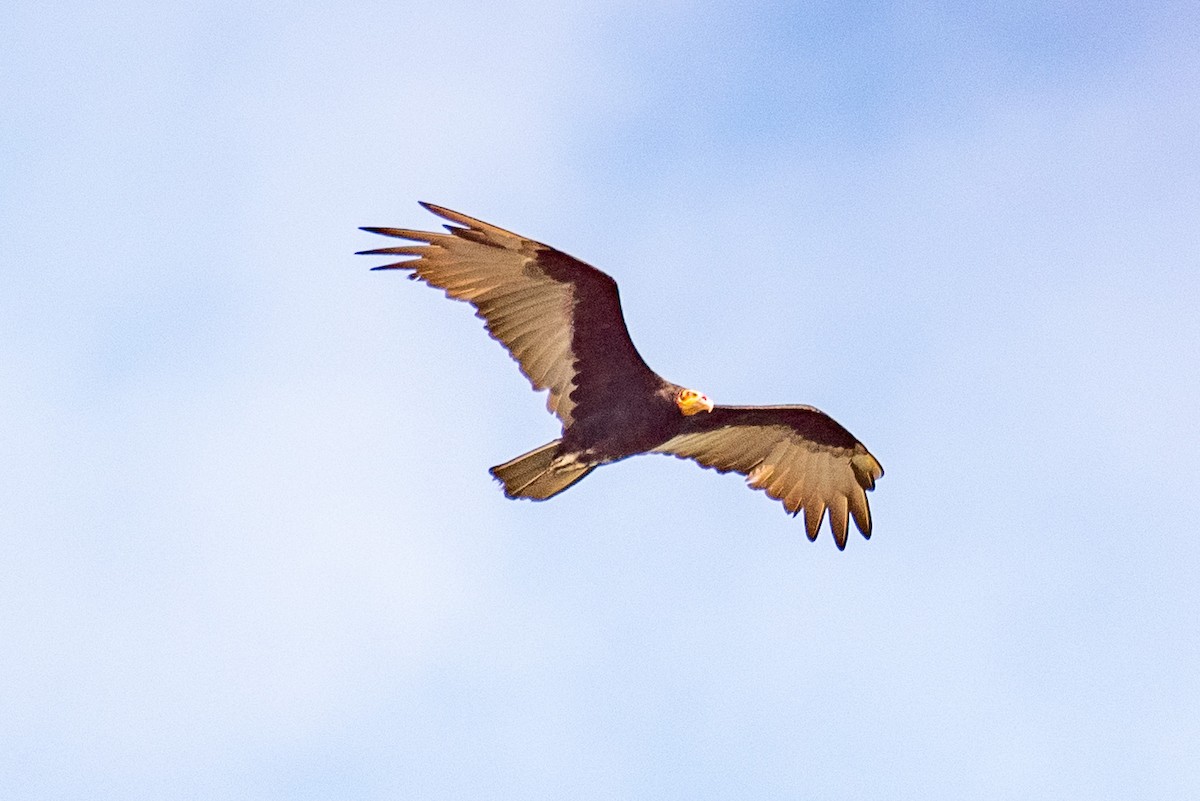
point(796, 454)
point(559, 318)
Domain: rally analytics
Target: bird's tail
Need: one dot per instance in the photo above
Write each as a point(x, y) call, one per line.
point(534, 475)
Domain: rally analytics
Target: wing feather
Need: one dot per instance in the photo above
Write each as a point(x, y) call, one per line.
point(559, 318)
point(797, 455)
point(837, 520)
point(814, 510)
point(860, 510)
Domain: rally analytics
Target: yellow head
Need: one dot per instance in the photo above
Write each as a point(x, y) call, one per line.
point(692, 402)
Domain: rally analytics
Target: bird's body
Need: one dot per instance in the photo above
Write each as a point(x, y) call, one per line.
point(561, 320)
point(629, 427)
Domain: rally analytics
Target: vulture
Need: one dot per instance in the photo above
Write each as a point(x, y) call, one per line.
point(561, 321)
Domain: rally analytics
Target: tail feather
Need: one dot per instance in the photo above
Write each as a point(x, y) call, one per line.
point(533, 475)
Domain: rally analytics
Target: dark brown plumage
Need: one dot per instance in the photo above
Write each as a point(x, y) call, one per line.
point(561, 320)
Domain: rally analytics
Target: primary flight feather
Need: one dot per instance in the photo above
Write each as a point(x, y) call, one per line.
point(561, 320)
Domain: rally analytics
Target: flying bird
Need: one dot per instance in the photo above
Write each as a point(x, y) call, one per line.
point(561, 321)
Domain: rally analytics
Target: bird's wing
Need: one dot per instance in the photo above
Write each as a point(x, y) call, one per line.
point(796, 454)
point(559, 318)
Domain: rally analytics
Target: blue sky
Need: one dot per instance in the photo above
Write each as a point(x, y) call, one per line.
point(250, 546)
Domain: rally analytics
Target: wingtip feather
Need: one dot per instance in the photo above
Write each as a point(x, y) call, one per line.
point(814, 512)
point(838, 522)
point(861, 512)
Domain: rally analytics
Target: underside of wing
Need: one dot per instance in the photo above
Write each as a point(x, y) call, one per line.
point(796, 454)
point(539, 303)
